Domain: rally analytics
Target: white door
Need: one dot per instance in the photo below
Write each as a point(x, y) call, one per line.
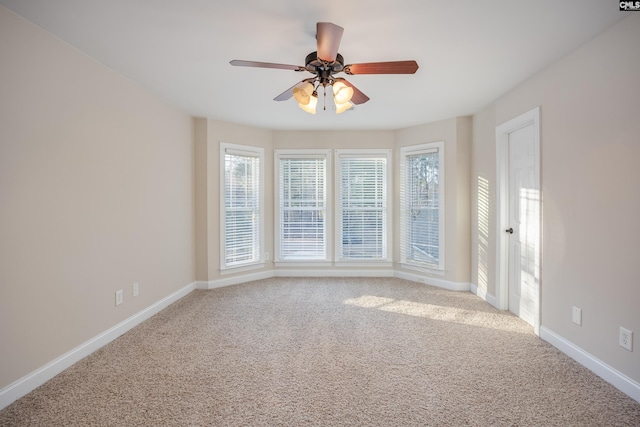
point(519, 217)
point(523, 223)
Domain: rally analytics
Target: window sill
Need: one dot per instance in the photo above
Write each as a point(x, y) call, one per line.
point(303, 263)
point(363, 263)
point(424, 270)
point(242, 268)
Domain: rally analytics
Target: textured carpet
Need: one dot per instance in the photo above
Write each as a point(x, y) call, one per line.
point(327, 352)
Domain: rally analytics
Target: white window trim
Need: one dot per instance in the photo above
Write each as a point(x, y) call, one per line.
point(419, 149)
point(376, 153)
point(311, 154)
point(247, 150)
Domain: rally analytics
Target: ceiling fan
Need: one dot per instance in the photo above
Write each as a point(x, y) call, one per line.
point(324, 63)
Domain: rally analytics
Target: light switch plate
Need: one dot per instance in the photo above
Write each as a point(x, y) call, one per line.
point(576, 315)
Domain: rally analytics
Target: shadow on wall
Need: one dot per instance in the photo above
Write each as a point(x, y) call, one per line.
point(483, 234)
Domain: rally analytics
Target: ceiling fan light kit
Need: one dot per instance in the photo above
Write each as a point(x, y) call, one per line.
point(302, 92)
point(341, 108)
point(310, 105)
point(341, 92)
point(324, 63)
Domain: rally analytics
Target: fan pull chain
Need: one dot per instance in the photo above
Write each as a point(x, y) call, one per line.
point(324, 107)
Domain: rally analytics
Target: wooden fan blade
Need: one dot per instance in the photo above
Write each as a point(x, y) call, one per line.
point(289, 92)
point(328, 36)
point(394, 67)
point(240, 63)
point(358, 97)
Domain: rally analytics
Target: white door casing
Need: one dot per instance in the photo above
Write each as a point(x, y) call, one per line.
point(519, 217)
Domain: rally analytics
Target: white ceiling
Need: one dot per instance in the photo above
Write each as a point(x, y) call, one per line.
point(469, 51)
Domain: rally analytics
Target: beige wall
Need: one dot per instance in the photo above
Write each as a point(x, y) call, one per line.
point(590, 144)
point(333, 139)
point(96, 193)
point(483, 202)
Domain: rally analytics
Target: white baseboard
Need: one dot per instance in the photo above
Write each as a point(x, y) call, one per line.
point(30, 382)
point(484, 295)
point(439, 283)
point(200, 284)
point(236, 280)
point(243, 278)
point(604, 371)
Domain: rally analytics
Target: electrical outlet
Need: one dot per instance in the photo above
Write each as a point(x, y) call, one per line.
point(266, 256)
point(626, 338)
point(119, 297)
point(576, 315)
point(136, 289)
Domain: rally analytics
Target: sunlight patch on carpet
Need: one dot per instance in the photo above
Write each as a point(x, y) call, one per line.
point(431, 311)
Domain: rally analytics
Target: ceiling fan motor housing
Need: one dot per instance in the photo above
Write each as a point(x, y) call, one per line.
point(323, 69)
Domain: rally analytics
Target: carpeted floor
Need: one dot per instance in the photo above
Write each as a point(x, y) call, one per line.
point(327, 352)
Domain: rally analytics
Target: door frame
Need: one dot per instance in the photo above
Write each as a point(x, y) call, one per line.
point(531, 117)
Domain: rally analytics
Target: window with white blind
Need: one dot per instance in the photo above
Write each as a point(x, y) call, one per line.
point(301, 198)
point(363, 215)
point(242, 213)
point(422, 206)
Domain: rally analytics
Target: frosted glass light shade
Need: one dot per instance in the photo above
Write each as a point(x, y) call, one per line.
point(342, 93)
point(341, 108)
point(310, 107)
point(302, 93)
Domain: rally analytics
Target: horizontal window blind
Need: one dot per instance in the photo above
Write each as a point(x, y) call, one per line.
point(303, 233)
point(363, 207)
point(420, 202)
point(242, 208)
